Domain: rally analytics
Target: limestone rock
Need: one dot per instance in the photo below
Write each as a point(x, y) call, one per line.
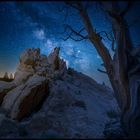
point(53, 58)
point(28, 60)
point(73, 110)
point(32, 62)
point(26, 98)
point(76, 107)
point(21, 77)
point(4, 88)
point(43, 60)
point(55, 61)
point(11, 97)
point(32, 66)
point(30, 56)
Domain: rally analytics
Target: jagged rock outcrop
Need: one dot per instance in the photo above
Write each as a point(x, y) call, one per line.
point(31, 83)
point(74, 108)
point(32, 62)
point(46, 97)
point(24, 99)
point(26, 68)
point(5, 87)
point(56, 62)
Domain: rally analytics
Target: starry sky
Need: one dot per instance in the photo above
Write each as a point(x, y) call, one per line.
point(41, 25)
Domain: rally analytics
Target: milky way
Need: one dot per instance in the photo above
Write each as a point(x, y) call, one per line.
point(40, 24)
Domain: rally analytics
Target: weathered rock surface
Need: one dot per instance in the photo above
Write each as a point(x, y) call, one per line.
point(50, 100)
point(32, 62)
point(28, 60)
point(5, 87)
point(74, 111)
point(22, 100)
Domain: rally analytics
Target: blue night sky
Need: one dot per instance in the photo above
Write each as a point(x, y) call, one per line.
point(40, 24)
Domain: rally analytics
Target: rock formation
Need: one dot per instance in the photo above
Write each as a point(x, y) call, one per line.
point(31, 83)
point(21, 101)
point(45, 97)
point(32, 62)
point(5, 87)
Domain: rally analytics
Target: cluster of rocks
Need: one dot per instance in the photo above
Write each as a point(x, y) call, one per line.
point(31, 83)
point(47, 100)
point(32, 62)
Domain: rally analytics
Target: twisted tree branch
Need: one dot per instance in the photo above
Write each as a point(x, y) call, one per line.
point(102, 71)
point(73, 33)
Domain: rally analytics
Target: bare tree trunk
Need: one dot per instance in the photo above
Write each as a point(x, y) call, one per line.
point(117, 68)
point(126, 86)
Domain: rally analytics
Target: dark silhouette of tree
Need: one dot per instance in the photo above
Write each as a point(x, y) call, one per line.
point(117, 68)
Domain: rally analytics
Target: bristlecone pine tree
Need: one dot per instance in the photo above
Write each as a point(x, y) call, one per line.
point(118, 69)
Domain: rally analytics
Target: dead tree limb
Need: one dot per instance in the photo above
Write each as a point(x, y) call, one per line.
point(102, 71)
point(72, 34)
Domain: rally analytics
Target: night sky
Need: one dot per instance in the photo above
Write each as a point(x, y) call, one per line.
point(40, 25)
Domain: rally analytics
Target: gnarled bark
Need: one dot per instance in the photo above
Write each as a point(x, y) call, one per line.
point(126, 87)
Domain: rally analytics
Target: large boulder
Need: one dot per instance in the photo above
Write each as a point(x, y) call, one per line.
point(74, 109)
point(32, 62)
point(30, 57)
point(56, 62)
point(53, 58)
point(26, 98)
point(30, 85)
point(5, 87)
point(26, 68)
